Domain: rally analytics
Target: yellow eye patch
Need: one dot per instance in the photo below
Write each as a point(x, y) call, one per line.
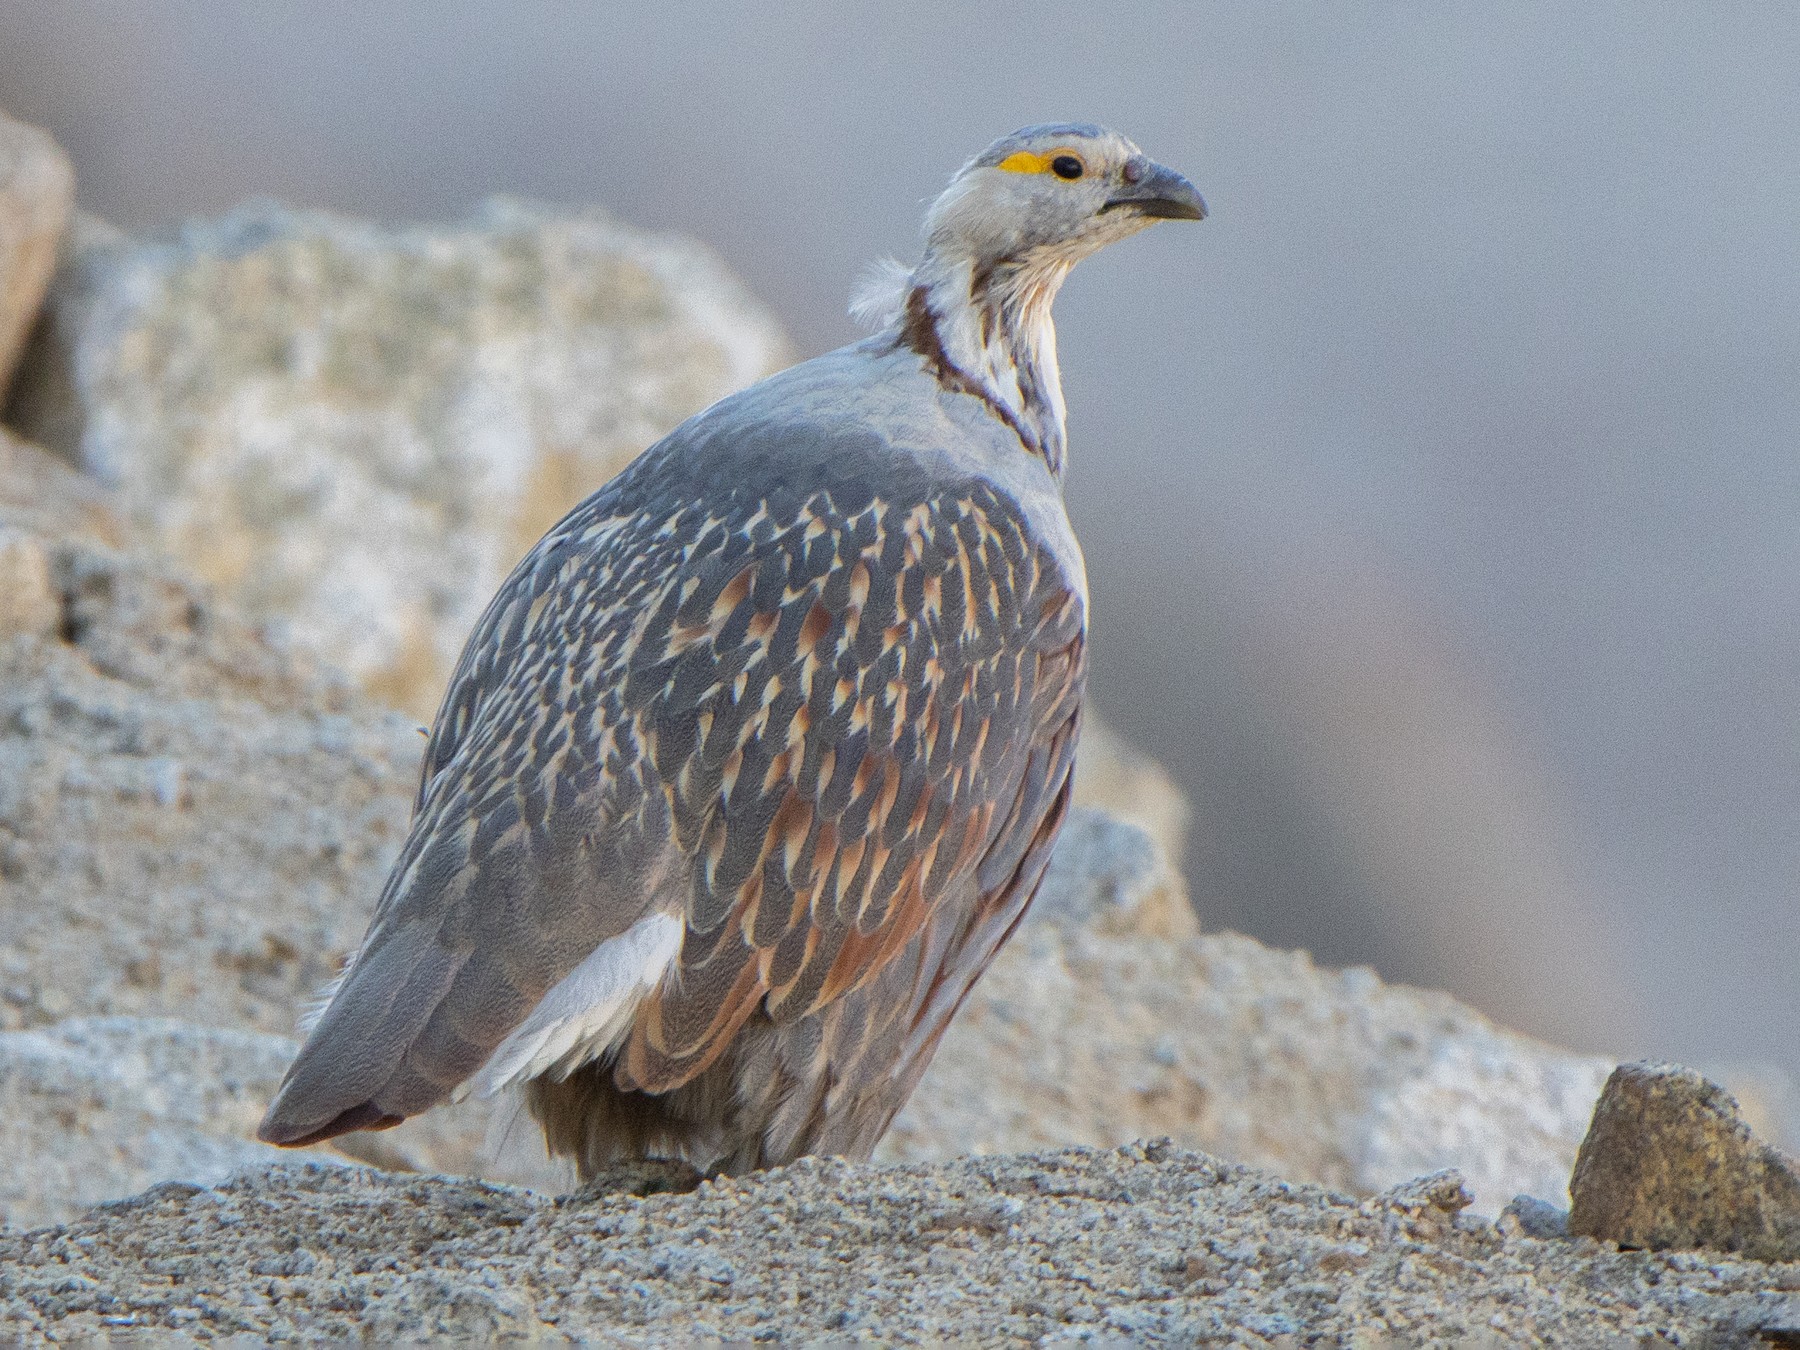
point(1024, 161)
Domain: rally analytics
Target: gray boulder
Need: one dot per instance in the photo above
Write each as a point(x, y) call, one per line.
point(357, 430)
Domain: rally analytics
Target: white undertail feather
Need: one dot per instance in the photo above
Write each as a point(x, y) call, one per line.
point(587, 1012)
point(880, 295)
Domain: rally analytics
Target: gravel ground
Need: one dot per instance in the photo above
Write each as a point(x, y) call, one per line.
point(1147, 1244)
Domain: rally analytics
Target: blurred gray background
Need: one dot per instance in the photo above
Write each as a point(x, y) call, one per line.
point(1439, 493)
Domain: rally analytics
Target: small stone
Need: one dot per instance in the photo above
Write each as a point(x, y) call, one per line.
point(1528, 1216)
point(1668, 1162)
point(1443, 1192)
point(648, 1176)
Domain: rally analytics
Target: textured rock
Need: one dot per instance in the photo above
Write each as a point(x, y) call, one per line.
point(192, 820)
point(37, 192)
point(1668, 1162)
point(1528, 1216)
point(1147, 1245)
point(28, 600)
point(102, 1107)
point(358, 429)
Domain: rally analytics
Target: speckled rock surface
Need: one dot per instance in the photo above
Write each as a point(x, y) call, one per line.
point(192, 819)
point(359, 429)
point(37, 192)
point(1141, 1246)
point(1668, 1162)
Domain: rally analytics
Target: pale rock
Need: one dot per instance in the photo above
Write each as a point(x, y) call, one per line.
point(1108, 874)
point(42, 495)
point(37, 192)
point(93, 1109)
point(193, 820)
point(1506, 1110)
point(358, 429)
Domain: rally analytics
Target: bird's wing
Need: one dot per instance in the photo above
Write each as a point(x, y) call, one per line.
point(862, 721)
point(794, 720)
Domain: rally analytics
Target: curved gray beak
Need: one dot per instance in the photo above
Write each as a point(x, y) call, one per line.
point(1159, 192)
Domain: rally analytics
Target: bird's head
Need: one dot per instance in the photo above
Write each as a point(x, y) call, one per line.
point(998, 244)
point(1054, 194)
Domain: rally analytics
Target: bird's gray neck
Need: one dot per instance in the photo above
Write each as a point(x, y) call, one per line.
point(984, 329)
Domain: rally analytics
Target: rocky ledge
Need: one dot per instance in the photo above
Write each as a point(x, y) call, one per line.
point(1147, 1244)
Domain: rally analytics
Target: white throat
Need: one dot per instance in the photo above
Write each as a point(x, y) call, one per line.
point(989, 327)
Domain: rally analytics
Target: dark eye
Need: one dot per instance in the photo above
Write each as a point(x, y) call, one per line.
point(1066, 166)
